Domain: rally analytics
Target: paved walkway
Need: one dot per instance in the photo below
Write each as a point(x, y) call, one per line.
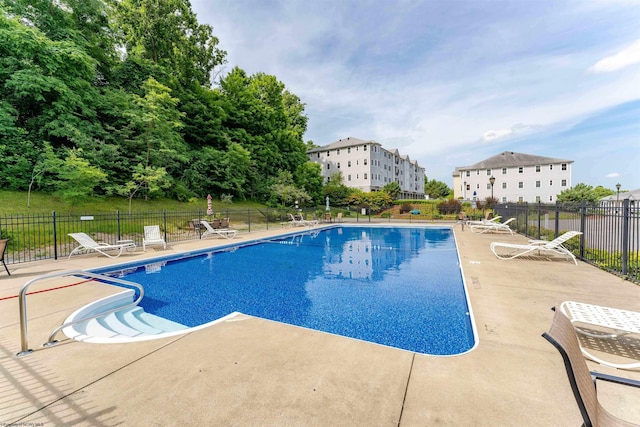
point(253, 372)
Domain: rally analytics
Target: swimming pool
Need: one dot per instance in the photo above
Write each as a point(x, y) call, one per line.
point(396, 286)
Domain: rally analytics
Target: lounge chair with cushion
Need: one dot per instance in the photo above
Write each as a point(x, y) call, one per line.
point(227, 233)
point(554, 247)
point(3, 248)
point(491, 226)
point(603, 323)
point(152, 236)
point(87, 244)
point(583, 383)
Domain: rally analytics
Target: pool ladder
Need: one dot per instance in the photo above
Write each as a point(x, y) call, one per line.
point(22, 300)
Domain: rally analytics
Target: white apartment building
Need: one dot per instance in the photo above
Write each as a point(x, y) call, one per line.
point(368, 166)
point(518, 178)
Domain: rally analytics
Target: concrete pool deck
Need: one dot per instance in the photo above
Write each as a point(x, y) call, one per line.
point(253, 372)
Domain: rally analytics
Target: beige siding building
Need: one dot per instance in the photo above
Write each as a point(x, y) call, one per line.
point(368, 166)
point(518, 178)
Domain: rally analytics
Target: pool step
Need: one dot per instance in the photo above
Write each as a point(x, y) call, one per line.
point(130, 324)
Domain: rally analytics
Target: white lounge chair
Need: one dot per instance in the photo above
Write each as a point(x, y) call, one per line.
point(298, 221)
point(152, 236)
point(554, 246)
point(610, 323)
point(227, 233)
point(491, 226)
point(87, 244)
point(494, 220)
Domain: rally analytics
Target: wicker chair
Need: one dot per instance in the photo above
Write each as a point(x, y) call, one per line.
point(3, 248)
point(583, 383)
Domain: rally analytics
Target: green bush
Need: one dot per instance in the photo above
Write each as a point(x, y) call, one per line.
point(405, 208)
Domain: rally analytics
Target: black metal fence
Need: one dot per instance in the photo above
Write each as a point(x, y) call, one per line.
point(610, 239)
point(610, 231)
point(45, 236)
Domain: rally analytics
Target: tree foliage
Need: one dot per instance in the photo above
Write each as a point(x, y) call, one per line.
point(436, 189)
point(580, 192)
point(125, 89)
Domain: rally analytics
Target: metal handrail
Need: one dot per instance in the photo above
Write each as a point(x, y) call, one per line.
point(22, 300)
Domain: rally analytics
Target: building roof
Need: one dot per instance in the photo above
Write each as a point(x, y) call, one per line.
point(633, 195)
point(343, 143)
point(508, 159)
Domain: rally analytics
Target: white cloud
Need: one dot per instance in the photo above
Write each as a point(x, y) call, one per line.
point(516, 130)
point(613, 175)
point(628, 56)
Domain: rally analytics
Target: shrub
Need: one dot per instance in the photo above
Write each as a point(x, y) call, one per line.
point(450, 206)
point(405, 208)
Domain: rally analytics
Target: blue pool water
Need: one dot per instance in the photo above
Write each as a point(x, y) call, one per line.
point(400, 287)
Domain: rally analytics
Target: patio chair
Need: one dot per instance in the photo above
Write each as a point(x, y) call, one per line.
point(485, 220)
point(152, 236)
point(296, 221)
point(610, 323)
point(491, 226)
point(3, 248)
point(87, 244)
point(339, 217)
point(583, 383)
point(227, 233)
point(554, 247)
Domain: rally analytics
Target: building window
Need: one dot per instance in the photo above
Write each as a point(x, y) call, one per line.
point(357, 163)
point(504, 171)
point(338, 151)
point(537, 184)
point(551, 198)
point(328, 166)
point(477, 186)
point(349, 164)
point(478, 172)
point(468, 187)
point(520, 184)
point(364, 147)
point(520, 199)
point(537, 199)
point(520, 169)
point(318, 154)
point(504, 185)
point(338, 165)
point(504, 200)
point(564, 166)
point(488, 172)
point(563, 183)
point(550, 167)
point(365, 162)
point(488, 186)
point(550, 183)
point(537, 168)
point(468, 173)
point(328, 153)
point(348, 177)
point(365, 175)
point(348, 150)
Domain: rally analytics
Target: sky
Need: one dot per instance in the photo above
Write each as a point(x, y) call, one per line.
point(450, 82)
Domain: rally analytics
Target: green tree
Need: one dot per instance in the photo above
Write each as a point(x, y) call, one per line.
point(338, 192)
point(436, 189)
point(392, 189)
point(309, 177)
point(578, 193)
point(285, 191)
point(167, 32)
point(151, 180)
point(77, 178)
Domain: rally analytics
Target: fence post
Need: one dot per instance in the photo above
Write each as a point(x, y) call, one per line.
point(164, 217)
point(539, 221)
point(626, 214)
point(557, 221)
point(248, 218)
point(55, 236)
point(118, 220)
point(583, 226)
